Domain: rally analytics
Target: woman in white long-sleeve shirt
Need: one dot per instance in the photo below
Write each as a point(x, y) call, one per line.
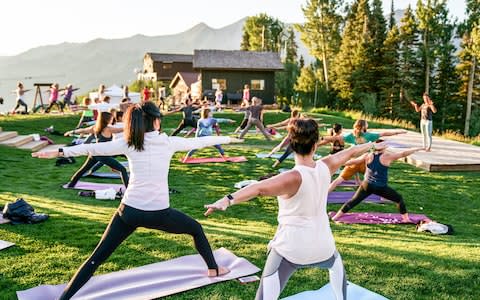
point(146, 200)
point(303, 238)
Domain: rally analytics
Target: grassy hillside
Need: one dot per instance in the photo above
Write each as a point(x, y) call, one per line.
point(394, 261)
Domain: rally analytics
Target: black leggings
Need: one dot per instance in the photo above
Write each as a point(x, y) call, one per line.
point(92, 161)
point(124, 223)
point(244, 123)
point(57, 103)
point(286, 154)
point(20, 102)
point(184, 123)
point(366, 189)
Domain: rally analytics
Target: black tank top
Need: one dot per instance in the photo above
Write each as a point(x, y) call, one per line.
point(101, 138)
point(337, 147)
point(376, 173)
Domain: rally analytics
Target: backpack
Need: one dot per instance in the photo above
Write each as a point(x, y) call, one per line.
point(434, 228)
point(20, 212)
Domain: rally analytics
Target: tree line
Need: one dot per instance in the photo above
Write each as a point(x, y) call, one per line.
point(366, 61)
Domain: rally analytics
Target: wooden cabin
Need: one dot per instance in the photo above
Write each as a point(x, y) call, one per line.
point(232, 70)
point(184, 83)
point(164, 67)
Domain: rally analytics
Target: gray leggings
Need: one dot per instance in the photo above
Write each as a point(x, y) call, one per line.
point(426, 129)
point(258, 124)
point(278, 270)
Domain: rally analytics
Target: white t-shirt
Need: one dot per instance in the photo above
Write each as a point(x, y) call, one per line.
point(148, 184)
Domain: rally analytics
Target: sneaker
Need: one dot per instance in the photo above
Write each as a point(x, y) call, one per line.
point(86, 193)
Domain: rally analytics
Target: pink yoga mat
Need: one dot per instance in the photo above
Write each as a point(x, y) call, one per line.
point(150, 281)
point(204, 160)
point(376, 218)
point(338, 197)
point(95, 186)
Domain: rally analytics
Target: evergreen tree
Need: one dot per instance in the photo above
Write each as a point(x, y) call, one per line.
point(262, 33)
point(321, 32)
point(351, 64)
point(409, 66)
point(389, 84)
point(305, 85)
point(445, 81)
point(469, 57)
point(285, 80)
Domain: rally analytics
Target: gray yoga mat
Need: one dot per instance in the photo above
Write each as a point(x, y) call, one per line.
point(3, 220)
point(326, 293)
point(151, 281)
point(5, 244)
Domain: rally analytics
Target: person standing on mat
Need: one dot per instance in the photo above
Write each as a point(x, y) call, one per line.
point(359, 135)
point(427, 109)
point(303, 237)
point(295, 114)
point(103, 132)
point(188, 118)
point(20, 91)
point(53, 100)
point(146, 201)
point(376, 179)
point(246, 116)
point(205, 126)
point(256, 111)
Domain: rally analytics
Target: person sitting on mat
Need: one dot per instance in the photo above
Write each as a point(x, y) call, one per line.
point(376, 179)
point(336, 139)
point(255, 119)
point(87, 114)
point(188, 118)
point(303, 237)
point(146, 201)
point(103, 132)
point(283, 124)
point(358, 136)
point(205, 126)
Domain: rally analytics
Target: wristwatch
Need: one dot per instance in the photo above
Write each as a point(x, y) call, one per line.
point(60, 152)
point(230, 199)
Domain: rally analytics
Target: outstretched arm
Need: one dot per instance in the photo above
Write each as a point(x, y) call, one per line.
point(285, 184)
point(356, 161)
point(393, 132)
point(326, 140)
point(87, 130)
point(279, 146)
point(336, 160)
point(415, 106)
point(394, 156)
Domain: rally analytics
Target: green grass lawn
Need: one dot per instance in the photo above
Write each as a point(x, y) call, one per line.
point(394, 261)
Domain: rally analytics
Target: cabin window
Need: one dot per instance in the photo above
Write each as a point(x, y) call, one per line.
point(257, 84)
point(167, 66)
point(216, 82)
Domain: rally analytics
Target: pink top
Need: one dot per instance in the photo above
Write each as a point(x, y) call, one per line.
point(246, 94)
point(53, 94)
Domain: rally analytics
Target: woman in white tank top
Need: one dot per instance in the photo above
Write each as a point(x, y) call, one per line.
point(303, 237)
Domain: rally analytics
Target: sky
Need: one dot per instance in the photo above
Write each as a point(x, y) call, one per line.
point(26, 24)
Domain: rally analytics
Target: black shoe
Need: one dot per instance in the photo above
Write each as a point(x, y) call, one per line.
point(86, 193)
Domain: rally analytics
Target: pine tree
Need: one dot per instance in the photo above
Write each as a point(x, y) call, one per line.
point(285, 80)
point(262, 33)
point(305, 85)
point(445, 81)
point(351, 64)
point(409, 66)
point(321, 32)
point(469, 57)
point(389, 84)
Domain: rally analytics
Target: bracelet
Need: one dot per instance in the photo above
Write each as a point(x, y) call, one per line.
point(230, 199)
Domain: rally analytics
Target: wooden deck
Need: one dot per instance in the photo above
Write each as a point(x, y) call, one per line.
point(446, 155)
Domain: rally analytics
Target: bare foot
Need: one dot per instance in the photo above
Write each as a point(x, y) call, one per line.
point(185, 159)
point(275, 164)
point(218, 272)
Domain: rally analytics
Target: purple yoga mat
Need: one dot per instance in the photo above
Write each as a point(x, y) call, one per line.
point(203, 160)
point(95, 186)
point(377, 218)
point(338, 197)
point(394, 144)
point(150, 281)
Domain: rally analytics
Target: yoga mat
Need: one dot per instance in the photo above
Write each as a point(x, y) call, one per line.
point(377, 218)
point(203, 160)
point(338, 197)
point(394, 144)
point(3, 220)
point(278, 155)
point(109, 175)
point(354, 291)
point(94, 186)
point(348, 183)
point(151, 281)
point(5, 244)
